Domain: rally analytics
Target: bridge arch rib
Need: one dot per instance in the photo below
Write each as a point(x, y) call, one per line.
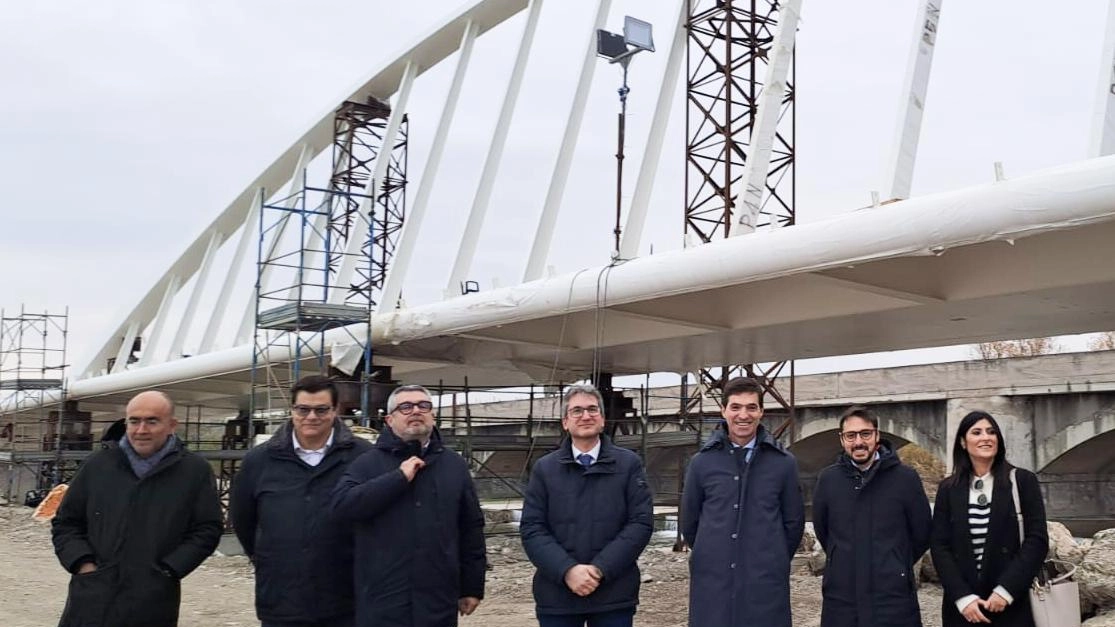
point(437, 45)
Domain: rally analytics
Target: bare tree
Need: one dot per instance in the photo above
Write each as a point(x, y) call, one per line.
point(1016, 348)
point(1102, 342)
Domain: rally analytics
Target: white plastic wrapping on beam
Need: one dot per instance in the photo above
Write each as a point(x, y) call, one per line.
point(1061, 198)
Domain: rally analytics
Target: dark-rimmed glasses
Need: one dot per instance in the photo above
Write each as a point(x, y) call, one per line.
point(320, 411)
point(577, 412)
point(865, 435)
point(408, 408)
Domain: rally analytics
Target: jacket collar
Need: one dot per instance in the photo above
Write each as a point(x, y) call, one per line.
point(1001, 525)
point(392, 443)
point(565, 451)
point(763, 440)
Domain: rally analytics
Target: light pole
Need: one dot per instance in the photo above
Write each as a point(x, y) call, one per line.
point(637, 36)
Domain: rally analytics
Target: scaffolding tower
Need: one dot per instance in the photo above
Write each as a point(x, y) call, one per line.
point(729, 48)
point(294, 313)
point(306, 242)
point(37, 426)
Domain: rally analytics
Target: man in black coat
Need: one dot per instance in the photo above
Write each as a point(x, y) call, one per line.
point(586, 518)
point(872, 517)
point(420, 556)
point(137, 518)
point(742, 512)
point(280, 510)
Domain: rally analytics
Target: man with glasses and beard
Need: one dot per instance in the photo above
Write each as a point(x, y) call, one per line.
point(872, 517)
point(420, 555)
point(279, 508)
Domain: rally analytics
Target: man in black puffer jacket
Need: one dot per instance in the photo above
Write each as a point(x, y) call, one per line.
point(586, 518)
point(280, 511)
point(872, 517)
point(420, 556)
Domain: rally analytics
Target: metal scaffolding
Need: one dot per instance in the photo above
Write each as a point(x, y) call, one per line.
point(305, 240)
point(293, 310)
point(37, 426)
point(729, 52)
point(358, 136)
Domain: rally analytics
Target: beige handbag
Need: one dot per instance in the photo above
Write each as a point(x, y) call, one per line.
point(1054, 596)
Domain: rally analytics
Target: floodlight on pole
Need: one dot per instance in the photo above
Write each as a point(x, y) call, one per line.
point(638, 34)
point(637, 37)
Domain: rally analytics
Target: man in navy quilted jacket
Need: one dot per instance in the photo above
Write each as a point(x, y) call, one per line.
point(586, 518)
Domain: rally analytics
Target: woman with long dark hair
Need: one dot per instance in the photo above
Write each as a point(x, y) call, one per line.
point(983, 567)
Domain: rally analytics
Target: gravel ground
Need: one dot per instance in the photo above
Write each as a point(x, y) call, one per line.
point(219, 593)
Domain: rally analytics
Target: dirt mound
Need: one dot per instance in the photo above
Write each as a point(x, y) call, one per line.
point(929, 468)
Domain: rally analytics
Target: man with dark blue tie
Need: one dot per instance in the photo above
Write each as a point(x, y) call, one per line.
point(586, 518)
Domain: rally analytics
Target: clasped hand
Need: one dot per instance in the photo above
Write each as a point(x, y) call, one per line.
point(583, 579)
point(993, 603)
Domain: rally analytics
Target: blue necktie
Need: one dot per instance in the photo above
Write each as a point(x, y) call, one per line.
point(585, 459)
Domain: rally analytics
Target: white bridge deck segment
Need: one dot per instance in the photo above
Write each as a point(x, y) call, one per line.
point(1018, 258)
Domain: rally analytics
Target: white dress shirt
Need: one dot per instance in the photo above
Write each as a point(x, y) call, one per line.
point(312, 457)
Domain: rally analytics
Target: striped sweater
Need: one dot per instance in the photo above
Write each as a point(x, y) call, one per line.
point(979, 515)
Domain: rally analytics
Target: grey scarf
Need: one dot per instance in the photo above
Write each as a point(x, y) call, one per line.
point(140, 466)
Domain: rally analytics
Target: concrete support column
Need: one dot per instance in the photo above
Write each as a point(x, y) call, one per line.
point(1015, 418)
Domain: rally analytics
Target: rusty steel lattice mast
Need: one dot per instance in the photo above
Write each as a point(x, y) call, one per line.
point(358, 137)
point(729, 53)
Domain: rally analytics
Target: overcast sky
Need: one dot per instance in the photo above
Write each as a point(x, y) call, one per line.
point(127, 126)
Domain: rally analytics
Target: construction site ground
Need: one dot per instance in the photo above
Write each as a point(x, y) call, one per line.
point(219, 593)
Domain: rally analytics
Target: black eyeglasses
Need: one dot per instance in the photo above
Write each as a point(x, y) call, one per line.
point(577, 412)
point(865, 435)
point(408, 408)
point(320, 411)
point(982, 498)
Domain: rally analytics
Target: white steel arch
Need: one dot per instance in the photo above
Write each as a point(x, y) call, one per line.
point(915, 91)
point(429, 50)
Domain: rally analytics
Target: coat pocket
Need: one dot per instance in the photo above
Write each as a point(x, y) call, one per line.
point(895, 578)
point(149, 597)
point(89, 598)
